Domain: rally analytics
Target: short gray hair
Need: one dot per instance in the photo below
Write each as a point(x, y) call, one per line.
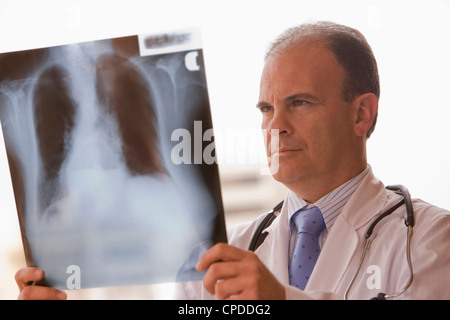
point(350, 49)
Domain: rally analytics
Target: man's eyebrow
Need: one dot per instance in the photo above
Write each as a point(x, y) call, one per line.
point(301, 96)
point(261, 104)
point(295, 96)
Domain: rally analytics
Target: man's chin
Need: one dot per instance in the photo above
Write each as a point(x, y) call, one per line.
point(287, 173)
point(281, 174)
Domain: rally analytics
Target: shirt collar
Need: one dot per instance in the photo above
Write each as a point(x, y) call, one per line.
point(330, 205)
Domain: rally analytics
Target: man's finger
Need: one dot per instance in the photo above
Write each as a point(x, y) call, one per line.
point(26, 275)
point(219, 252)
point(41, 293)
point(219, 271)
point(29, 292)
point(229, 288)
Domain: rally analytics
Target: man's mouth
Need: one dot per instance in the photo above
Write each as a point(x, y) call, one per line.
point(285, 151)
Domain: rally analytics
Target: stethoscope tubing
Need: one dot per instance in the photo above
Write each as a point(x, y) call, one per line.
point(409, 222)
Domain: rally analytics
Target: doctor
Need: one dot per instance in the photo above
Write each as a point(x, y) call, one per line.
point(320, 89)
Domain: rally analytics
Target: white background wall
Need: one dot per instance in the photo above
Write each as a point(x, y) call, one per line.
point(409, 38)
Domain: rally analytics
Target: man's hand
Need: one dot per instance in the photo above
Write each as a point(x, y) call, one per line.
point(234, 273)
point(28, 292)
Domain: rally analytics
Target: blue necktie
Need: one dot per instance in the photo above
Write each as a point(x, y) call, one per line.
point(309, 224)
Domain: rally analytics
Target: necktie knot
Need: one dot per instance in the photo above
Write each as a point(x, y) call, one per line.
point(309, 221)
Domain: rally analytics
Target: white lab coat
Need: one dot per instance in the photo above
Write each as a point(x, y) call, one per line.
point(385, 267)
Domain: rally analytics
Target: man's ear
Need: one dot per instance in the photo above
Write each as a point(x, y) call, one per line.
point(366, 108)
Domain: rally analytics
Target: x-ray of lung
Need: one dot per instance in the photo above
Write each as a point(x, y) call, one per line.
point(89, 135)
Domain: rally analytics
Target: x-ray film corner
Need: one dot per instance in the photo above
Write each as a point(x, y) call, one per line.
point(87, 131)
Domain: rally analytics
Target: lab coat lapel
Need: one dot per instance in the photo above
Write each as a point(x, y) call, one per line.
point(345, 240)
point(334, 258)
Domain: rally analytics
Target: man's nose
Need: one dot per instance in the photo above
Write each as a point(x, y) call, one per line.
point(281, 122)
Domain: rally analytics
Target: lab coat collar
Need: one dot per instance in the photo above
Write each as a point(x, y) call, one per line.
point(342, 242)
point(367, 201)
point(346, 239)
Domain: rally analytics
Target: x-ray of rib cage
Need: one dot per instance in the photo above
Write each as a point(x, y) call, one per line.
point(87, 130)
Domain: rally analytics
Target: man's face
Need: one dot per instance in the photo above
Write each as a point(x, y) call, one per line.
point(300, 95)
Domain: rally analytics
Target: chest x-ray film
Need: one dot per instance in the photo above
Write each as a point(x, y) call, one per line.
point(112, 159)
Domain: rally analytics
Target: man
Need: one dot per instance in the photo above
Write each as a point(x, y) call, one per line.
point(319, 90)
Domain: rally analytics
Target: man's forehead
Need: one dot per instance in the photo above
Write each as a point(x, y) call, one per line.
point(300, 69)
point(300, 61)
point(303, 54)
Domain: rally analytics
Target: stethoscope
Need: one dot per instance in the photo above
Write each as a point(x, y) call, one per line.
point(409, 222)
point(260, 235)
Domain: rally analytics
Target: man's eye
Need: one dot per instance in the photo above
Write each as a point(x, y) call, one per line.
point(265, 108)
point(296, 103)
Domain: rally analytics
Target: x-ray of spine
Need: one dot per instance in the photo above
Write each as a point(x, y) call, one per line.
point(87, 129)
